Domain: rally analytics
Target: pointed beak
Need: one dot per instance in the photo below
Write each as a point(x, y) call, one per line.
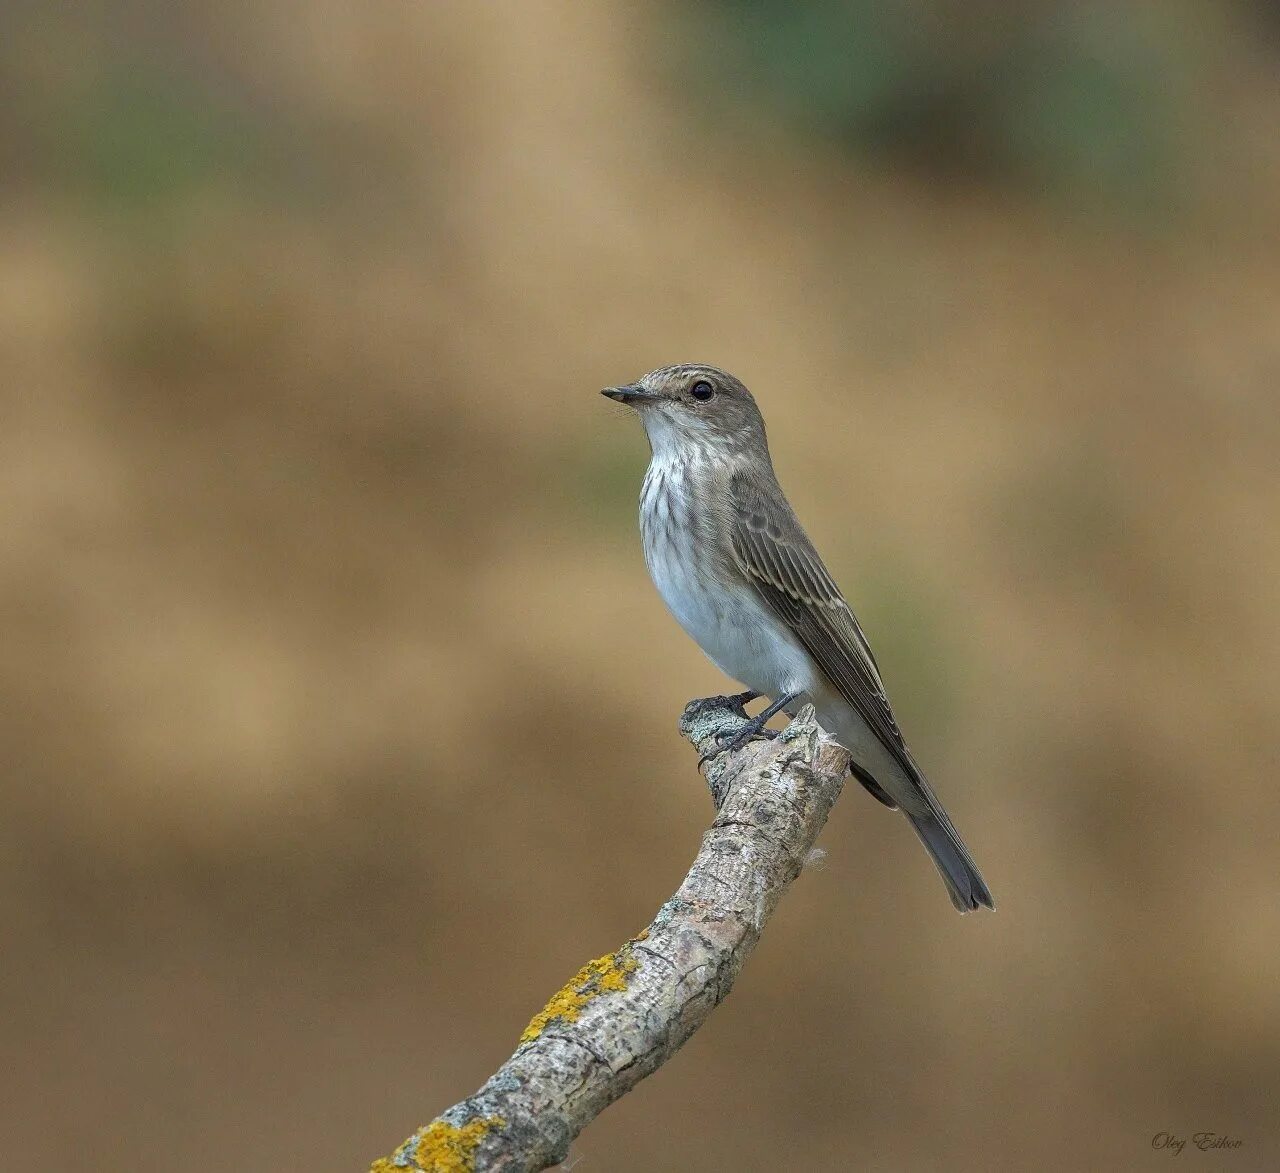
point(631, 393)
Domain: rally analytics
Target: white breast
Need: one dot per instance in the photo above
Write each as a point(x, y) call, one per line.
point(738, 633)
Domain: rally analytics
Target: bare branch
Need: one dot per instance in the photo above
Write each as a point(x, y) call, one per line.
point(625, 1014)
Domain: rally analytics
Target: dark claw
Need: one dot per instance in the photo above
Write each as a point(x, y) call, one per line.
point(730, 742)
point(753, 728)
point(749, 732)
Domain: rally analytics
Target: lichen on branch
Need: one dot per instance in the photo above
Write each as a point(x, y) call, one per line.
point(601, 976)
point(623, 1015)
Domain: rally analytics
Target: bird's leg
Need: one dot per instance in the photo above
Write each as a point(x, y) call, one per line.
point(742, 699)
point(752, 728)
point(755, 726)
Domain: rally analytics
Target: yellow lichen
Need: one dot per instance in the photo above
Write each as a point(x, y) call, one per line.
point(603, 975)
point(440, 1148)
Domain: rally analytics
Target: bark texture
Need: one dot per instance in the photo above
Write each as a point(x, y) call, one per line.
point(625, 1014)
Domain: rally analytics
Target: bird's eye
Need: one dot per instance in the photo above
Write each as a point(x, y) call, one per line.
point(702, 390)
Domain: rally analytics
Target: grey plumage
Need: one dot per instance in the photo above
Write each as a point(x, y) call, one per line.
point(737, 570)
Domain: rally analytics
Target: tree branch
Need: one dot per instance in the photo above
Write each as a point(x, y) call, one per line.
point(625, 1014)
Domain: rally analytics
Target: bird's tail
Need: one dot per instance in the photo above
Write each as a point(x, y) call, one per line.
point(965, 885)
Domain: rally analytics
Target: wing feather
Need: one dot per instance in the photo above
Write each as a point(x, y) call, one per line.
point(777, 556)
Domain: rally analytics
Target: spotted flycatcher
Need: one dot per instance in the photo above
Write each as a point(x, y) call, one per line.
point(742, 578)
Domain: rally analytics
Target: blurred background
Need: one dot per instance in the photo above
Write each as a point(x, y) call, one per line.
point(338, 712)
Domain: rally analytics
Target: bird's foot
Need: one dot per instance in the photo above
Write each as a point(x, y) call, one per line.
point(729, 742)
point(718, 704)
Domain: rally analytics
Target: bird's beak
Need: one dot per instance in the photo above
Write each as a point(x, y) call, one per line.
point(631, 393)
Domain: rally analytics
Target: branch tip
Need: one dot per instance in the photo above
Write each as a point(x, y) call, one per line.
point(619, 1018)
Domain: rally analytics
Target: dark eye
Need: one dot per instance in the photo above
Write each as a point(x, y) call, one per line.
point(702, 390)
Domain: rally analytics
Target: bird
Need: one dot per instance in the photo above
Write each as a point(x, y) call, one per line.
point(738, 572)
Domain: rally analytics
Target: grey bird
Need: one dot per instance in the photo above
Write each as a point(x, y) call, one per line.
point(740, 575)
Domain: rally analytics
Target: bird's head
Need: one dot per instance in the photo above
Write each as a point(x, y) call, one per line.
point(694, 407)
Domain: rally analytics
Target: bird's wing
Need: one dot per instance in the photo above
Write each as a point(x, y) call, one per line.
point(778, 558)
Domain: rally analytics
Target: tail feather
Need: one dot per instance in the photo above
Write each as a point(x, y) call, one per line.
point(967, 888)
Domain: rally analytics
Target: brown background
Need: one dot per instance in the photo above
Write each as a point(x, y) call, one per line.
point(338, 713)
